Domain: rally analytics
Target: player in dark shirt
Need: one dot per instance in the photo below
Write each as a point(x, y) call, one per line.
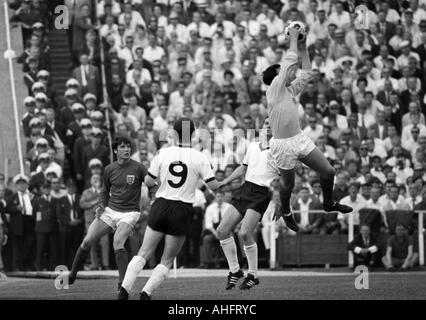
point(118, 207)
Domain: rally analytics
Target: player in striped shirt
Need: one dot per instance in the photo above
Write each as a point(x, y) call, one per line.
point(289, 144)
point(177, 169)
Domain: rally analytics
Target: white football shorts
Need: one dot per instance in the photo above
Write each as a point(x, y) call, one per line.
point(114, 218)
point(285, 152)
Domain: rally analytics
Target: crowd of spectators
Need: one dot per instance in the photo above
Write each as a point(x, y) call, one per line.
point(202, 59)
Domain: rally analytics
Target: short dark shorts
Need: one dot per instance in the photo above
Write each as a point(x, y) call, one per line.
point(251, 196)
point(170, 217)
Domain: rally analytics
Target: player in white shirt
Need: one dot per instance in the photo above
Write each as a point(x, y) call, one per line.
point(178, 170)
point(289, 143)
point(247, 206)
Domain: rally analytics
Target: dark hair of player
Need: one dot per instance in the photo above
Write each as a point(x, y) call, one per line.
point(270, 73)
point(182, 127)
point(119, 141)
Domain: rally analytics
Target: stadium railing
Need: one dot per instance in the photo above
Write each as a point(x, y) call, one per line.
point(420, 234)
point(9, 54)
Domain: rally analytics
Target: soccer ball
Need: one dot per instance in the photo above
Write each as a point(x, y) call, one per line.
point(297, 25)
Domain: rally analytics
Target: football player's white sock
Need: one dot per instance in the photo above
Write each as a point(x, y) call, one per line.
point(230, 250)
point(251, 254)
point(159, 274)
point(133, 269)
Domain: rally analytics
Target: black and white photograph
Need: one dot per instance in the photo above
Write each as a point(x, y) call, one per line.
point(215, 155)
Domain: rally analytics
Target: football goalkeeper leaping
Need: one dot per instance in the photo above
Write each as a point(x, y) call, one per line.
point(289, 144)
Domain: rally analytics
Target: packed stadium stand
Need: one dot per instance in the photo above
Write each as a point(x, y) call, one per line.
point(95, 70)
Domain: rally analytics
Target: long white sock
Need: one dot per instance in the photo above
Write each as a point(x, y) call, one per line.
point(133, 269)
point(159, 274)
point(251, 254)
point(230, 250)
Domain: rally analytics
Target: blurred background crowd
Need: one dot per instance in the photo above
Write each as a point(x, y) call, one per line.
point(202, 59)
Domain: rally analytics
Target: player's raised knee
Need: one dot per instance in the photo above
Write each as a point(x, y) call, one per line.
point(118, 243)
point(222, 233)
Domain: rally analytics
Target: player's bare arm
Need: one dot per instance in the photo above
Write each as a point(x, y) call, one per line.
point(239, 172)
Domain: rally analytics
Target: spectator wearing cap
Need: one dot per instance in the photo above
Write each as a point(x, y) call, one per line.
point(30, 77)
point(78, 155)
point(46, 228)
point(39, 178)
point(94, 150)
point(71, 226)
point(82, 23)
point(40, 146)
point(20, 208)
point(406, 53)
point(357, 202)
point(66, 115)
point(90, 102)
point(97, 119)
point(29, 103)
point(407, 21)
point(88, 76)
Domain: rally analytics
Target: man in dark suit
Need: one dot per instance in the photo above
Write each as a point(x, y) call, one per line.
point(46, 227)
point(309, 223)
point(386, 28)
point(364, 248)
point(410, 94)
point(81, 25)
point(94, 150)
point(79, 145)
point(88, 76)
point(71, 226)
point(21, 225)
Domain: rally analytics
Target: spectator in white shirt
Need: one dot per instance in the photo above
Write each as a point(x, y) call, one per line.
point(136, 111)
point(229, 27)
point(274, 24)
point(394, 201)
point(177, 100)
point(401, 170)
point(127, 53)
point(153, 51)
point(340, 18)
point(200, 26)
point(124, 117)
point(414, 197)
point(252, 26)
point(413, 109)
point(175, 27)
point(313, 130)
point(415, 122)
point(357, 202)
point(160, 121)
point(136, 17)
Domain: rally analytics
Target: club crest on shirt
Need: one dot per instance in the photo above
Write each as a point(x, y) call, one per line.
point(130, 179)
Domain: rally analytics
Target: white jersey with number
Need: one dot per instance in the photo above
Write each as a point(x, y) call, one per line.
point(179, 171)
point(260, 171)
